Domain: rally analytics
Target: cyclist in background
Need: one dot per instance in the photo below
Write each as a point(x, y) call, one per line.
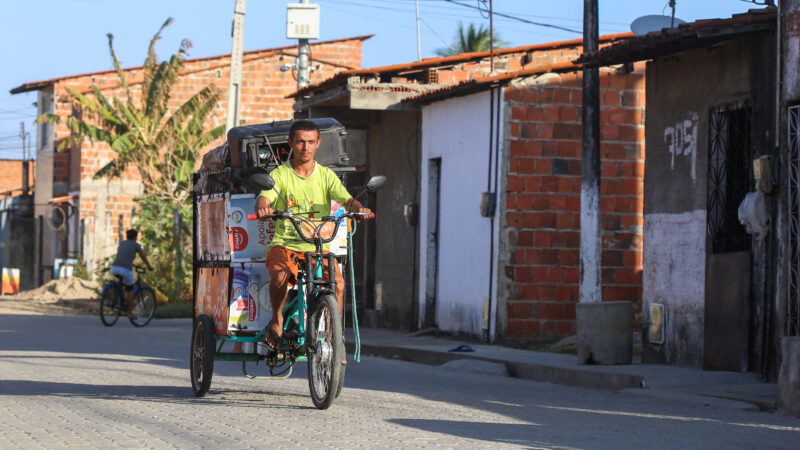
point(123, 264)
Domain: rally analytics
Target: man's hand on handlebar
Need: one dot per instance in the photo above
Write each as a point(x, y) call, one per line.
point(265, 213)
point(357, 207)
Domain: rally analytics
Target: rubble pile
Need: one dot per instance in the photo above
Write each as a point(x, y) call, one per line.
point(63, 289)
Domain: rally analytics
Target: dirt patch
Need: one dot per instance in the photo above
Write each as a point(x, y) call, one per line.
point(59, 297)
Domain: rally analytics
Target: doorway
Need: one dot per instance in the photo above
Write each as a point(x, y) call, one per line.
point(432, 241)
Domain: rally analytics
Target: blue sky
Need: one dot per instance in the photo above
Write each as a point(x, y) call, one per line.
point(51, 38)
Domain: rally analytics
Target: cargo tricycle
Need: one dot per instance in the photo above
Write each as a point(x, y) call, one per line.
point(231, 283)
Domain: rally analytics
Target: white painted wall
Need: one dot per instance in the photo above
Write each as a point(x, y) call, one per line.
point(457, 131)
point(674, 275)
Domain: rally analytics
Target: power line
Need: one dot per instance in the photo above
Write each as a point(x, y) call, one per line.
point(450, 13)
point(540, 24)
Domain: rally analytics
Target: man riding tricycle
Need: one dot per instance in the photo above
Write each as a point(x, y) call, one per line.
point(275, 292)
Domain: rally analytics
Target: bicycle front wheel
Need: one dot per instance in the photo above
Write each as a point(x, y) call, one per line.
point(327, 351)
point(144, 307)
point(110, 305)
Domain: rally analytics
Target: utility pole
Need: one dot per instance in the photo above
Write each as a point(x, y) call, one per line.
point(302, 23)
point(590, 290)
point(303, 73)
point(491, 38)
point(23, 135)
point(25, 164)
point(235, 79)
point(419, 43)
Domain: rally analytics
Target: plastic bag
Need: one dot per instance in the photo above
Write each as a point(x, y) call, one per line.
point(753, 214)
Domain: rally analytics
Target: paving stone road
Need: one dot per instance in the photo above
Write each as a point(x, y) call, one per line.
point(71, 382)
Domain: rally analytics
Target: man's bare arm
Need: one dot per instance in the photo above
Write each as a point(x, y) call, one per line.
point(144, 258)
point(263, 207)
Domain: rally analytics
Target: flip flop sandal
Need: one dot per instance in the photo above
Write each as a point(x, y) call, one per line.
point(274, 338)
point(462, 348)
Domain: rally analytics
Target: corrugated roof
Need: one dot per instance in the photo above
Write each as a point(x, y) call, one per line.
point(341, 77)
point(479, 84)
point(683, 37)
point(35, 85)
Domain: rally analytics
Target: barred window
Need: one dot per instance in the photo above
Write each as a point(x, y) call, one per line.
point(729, 159)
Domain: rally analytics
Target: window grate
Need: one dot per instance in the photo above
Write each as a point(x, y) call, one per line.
point(793, 300)
point(729, 160)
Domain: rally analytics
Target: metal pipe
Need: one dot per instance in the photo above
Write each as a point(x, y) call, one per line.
point(491, 38)
point(419, 43)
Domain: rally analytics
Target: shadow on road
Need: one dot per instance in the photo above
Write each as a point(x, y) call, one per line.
point(162, 394)
point(504, 433)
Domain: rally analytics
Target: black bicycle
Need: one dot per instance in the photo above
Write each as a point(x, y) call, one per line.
point(113, 301)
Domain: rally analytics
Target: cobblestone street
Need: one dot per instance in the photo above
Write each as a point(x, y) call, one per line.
point(70, 382)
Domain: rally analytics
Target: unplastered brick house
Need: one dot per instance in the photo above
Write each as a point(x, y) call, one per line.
point(446, 130)
point(11, 179)
point(100, 210)
point(515, 274)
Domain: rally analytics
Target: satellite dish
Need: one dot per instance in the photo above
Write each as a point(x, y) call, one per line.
point(646, 24)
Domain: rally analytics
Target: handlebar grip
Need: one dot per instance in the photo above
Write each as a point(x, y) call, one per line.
point(370, 216)
point(252, 217)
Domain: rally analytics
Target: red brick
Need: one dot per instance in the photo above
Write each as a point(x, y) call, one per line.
point(551, 113)
point(531, 328)
point(518, 113)
point(550, 148)
point(542, 238)
point(566, 131)
point(535, 113)
point(610, 97)
point(515, 328)
point(562, 95)
point(516, 148)
point(568, 113)
point(525, 201)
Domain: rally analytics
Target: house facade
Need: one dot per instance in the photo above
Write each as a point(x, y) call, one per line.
point(100, 210)
point(517, 138)
point(447, 130)
point(711, 287)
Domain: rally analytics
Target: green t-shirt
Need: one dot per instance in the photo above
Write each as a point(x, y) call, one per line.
point(303, 195)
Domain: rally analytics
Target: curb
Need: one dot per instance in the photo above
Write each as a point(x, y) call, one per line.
point(527, 371)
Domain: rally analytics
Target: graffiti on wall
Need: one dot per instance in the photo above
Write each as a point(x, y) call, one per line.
point(681, 141)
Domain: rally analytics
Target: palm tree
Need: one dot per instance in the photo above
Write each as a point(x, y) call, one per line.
point(469, 40)
point(162, 147)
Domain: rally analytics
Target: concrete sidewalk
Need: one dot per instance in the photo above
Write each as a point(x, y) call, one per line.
point(734, 390)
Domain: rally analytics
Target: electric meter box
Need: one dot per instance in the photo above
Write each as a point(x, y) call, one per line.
point(302, 21)
point(266, 145)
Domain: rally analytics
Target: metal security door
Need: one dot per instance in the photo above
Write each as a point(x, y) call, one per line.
point(792, 302)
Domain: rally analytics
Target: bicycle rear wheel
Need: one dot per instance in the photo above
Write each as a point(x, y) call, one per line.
point(110, 305)
point(325, 361)
point(201, 355)
point(144, 307)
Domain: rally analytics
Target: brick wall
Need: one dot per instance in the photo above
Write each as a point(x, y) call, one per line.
point(542, 213)
point(264, 88)
point(11, 176)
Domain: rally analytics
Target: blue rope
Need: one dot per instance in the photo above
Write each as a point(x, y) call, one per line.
point(357, 352)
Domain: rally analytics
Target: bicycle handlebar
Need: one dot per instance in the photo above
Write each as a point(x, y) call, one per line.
point(336, 220)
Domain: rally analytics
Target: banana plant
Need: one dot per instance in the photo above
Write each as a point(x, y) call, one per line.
point(162, 143)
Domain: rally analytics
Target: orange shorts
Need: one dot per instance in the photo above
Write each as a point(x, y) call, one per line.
point(280, 261)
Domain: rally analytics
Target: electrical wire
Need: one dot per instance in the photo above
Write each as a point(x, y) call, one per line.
point(434, 32)
point(484, 12)
point(499, 14)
